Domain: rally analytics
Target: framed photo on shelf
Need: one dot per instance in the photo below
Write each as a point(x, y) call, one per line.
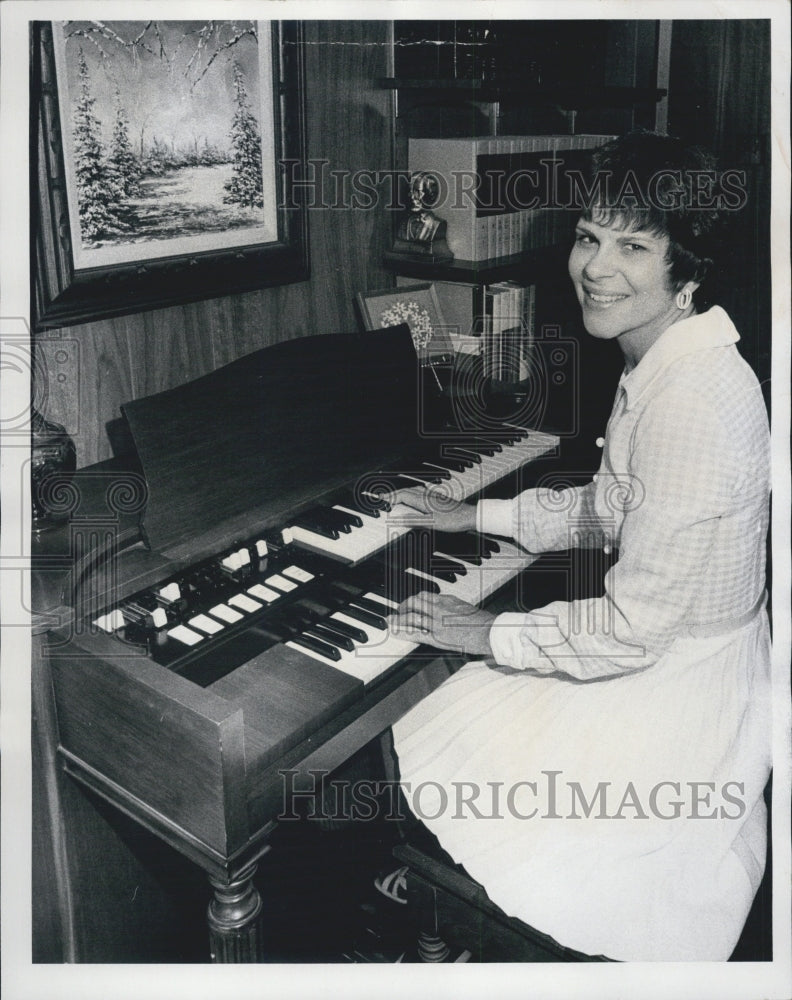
point(418, 307)
point(158, 173)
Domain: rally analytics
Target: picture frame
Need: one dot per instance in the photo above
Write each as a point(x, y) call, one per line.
point(418, 306)
point(222, 217)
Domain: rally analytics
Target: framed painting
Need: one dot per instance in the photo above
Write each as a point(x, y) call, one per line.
point(162, 162)
point(418, 307)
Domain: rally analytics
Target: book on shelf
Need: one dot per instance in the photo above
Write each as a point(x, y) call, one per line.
point(506, 322)
point(504, 195)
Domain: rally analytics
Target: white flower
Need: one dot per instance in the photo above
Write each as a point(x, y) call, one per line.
point(415, 316)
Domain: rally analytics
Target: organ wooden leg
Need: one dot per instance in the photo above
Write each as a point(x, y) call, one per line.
point(234, 919)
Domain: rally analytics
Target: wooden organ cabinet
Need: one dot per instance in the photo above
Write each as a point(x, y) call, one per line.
point(216, 615)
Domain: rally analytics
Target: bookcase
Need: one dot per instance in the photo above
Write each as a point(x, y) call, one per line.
point(470, 88)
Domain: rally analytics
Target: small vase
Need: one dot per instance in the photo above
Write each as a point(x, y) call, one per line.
point(53, 460)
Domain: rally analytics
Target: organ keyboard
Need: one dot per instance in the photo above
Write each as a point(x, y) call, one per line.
point(241, 629)
point(452, 477)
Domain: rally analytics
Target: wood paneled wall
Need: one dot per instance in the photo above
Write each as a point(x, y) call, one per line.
point(719, 97)
point(113, 361)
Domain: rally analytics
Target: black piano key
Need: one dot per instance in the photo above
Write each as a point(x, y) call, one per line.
point(436, 470)
point(488, 448)
point(489, 546)
point(447, 575)
point(367, 617)
point(330, 518)
point(317, 526)
point(451, 464)
point(345, 629)
point(331, 635)
point(378, 604)
point(318, 646)
point(355, 520)
point(378, 501)
point(405, 482)
point(373, 606)
point(450, 565)
point(463, 545)
point(403, 585)
point(464, 455)
point(288, 622)
point(430, 478)
point(363, 504)
point(338, 519)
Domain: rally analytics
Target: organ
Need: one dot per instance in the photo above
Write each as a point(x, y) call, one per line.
point(217, 611)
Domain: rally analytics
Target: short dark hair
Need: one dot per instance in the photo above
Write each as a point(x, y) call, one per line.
point(652, 182)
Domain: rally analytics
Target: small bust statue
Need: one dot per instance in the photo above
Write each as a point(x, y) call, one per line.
point(421, 232)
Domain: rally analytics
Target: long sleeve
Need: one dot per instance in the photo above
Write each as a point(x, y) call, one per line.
point(545, 520)
point(686, 475)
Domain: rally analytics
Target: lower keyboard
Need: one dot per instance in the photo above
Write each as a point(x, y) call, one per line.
point(369, 658)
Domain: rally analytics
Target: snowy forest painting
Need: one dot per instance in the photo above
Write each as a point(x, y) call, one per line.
point(168, 137)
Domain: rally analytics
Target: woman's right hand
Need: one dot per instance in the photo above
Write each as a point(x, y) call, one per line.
point(454, 517)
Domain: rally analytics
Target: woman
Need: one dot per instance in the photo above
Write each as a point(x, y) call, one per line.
point(601, 771)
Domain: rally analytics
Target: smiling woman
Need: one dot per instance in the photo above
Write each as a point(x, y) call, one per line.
point(641, 254)
point(661, 682)
point(624, 287)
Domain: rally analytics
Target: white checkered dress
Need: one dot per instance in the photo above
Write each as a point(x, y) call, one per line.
point(682, 491)
point(626, 695)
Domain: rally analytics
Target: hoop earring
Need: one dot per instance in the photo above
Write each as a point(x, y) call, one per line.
point(684, 298)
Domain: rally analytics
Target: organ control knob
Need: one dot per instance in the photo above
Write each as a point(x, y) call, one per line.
point(170, 592)
point(236, 560)
point(110, 622)
point(159, 618)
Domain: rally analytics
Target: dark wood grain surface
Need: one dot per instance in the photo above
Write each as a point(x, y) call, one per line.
point(272, 426)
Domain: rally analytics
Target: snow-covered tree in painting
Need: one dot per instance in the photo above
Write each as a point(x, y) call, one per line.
point(122, 160)
point(245, 187)
point(97, 190)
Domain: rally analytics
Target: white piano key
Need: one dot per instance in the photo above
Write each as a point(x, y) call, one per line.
point(231, 562)
point(383, 600)
point(225, 613)
point(244, 603)
point(206, 624)
point(183, 634)
point(280, 583)
point(367, 662)
point(261, 547)
point(382, 650)
point(266, 594)
point(244, 557)
point(298, 573)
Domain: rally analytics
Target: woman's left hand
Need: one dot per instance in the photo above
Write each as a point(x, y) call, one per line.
point(445, 622)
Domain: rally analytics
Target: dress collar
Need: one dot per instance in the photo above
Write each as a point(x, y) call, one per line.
point(697, 333)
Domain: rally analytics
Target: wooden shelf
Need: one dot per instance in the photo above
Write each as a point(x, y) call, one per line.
point(494, 90)
point(526, 266)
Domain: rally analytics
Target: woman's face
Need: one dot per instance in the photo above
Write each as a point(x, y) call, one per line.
point(621, 278)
